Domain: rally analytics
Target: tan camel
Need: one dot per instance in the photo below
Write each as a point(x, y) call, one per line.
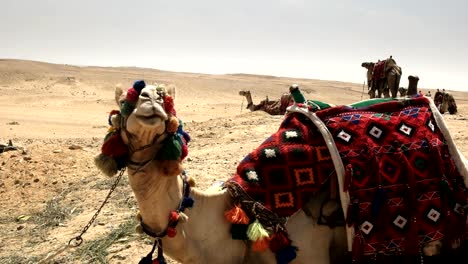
point(205, 235)
point(272, 107)
point(383, 77)
point(448, 104)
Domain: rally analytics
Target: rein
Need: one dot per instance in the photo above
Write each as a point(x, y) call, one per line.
point(170, 230)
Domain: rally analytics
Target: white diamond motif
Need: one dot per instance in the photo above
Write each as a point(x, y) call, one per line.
point(270, 153)
point(376, 132)
point(252, 175)
point(366, 227)
point(345, 136)
point(400, 221)
point(433, 215)
point(291, 134)
point(431, 125)
point(406, 129)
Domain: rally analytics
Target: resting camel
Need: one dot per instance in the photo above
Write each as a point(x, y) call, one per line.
point(146, 125)
point(275, 107)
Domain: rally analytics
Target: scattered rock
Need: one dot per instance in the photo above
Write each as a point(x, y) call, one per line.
point(54, 182)
point(57, 151)
point(19, 227)
point(27, 158)
point(73, 147)
point(36, 180)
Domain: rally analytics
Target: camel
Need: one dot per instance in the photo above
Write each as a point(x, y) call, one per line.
point(142, 131)
point(448, 104)
point(402, 91)
point(383, 77)
point(204, 234)
point(276, 107)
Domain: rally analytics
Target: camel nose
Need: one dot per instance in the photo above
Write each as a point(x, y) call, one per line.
point(145, 94)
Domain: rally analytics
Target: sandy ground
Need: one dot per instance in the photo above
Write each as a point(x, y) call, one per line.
point(57, 116)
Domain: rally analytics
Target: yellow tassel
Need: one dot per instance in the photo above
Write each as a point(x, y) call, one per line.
point(256, 231)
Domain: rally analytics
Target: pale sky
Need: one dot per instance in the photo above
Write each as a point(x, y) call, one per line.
point(314, 39)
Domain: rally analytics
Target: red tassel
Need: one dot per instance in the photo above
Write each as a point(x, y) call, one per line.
point(114, 146)
point(171, 232)
point(237, 216)
point(155, 261)
point(261, 244)
point(279, 240)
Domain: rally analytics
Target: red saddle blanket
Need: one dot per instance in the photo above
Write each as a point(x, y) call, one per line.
point(379, 70)
point(404, 187)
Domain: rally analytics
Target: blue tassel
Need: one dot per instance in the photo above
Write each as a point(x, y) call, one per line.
point(187, 202)
point(379, 198)
point(139, 85)
point(286, 255)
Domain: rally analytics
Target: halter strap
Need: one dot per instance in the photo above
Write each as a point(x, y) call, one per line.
point(186, 202)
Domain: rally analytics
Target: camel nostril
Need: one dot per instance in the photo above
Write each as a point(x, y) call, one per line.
point(145, 94)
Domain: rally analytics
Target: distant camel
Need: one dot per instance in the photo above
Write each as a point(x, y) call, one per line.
point(275, 107)
point(385, 77)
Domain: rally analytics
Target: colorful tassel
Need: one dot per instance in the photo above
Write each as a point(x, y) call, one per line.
point(278, 241)
point(173, 216)
point(237, 216)
point(172, 148)
point(132, 95)
point(171, 232)
point(286, 255)
point(139, 85)
point(239, 231)
point(187, 202)
point(261, 244)
point(256, 231)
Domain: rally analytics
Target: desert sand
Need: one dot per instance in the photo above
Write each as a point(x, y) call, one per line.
point(56, 116)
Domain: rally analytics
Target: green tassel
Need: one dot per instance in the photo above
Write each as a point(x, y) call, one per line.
point(256, 231)
point(127, 108)
point(172, 149)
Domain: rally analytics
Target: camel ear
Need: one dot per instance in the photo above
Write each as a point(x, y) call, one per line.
point(171, 89)
point(118, 93)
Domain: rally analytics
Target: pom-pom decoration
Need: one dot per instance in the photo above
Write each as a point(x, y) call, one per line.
point(139, 85)
point(169, 105)
point(132, 95)
point(171, 232)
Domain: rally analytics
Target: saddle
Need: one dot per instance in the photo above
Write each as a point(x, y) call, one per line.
point(401, 183)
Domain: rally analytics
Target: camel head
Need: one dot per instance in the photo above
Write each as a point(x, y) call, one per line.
point(145, 128)
point(368, 65)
